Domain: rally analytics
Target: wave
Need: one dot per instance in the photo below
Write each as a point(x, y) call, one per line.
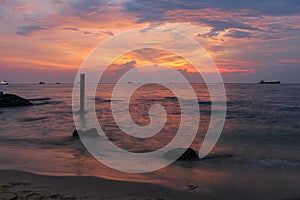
point(43, 101)
point(276, 163)
point(39, 142)
point(30, 119)
point(40, 99)
point(208, 103)
point(100, 100)
point(46, 103)
point(171, 98)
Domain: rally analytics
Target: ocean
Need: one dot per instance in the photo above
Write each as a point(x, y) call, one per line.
point(258, 150)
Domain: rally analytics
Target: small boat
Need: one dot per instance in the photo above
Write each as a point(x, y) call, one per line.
point(4, 83)
point(58, 83)
point(269, 82)
point(42, 83)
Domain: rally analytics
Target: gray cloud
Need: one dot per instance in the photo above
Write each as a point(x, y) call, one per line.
point(219, 26)
point(88, 6)
point(240, 34)
point(265, 7)
point(28, 30)
point(151, 10)
point(156, 12)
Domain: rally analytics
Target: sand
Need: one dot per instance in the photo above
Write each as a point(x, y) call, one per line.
point(17, 185)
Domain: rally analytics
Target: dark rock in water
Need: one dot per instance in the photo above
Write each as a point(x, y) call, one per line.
point(192, 186)
point(89, 132)
point(189, 154)
point(11, 100)
point(75, 133)
point(171, 98)
point(182, 154)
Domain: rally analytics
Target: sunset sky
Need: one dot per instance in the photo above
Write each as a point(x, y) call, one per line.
point(248, 40)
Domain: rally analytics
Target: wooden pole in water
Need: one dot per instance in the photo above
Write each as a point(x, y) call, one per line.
point(82, 93)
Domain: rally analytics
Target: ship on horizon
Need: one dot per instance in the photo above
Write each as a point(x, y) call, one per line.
point(270, 82)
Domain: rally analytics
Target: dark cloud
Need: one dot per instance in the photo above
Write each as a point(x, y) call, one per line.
point(265, 7)
point(219, 26)
point(28, 30)
point(114, 72)
point(152, 10)
point(88, 6)
point(240, 34)
point(197, 12)
point(70, 29)
point(107, 33)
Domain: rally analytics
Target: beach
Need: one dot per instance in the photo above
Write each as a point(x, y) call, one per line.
point(24, 185)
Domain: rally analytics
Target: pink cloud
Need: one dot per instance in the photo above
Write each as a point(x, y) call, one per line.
point(23, 8)
point(290, 61)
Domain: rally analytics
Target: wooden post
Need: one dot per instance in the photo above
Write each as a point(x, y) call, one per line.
point(82, 93)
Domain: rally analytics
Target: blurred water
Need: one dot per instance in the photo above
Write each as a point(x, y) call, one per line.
point(262, 132)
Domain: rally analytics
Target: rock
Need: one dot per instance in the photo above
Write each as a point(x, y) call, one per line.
point(75, 133)
point(11, 100)
point(192, 186)
point(189, 154)
point(182, 155)
point(90, 132)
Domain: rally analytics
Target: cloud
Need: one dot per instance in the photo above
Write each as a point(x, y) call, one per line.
point(115, 71)
point(22, 8)
point(239, 34)
point(221, 15)
point(29, 30)
point(220, 26)
point(258, 7)
point(144, 8)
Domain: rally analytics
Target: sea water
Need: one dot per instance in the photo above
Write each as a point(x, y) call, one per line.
point(259, 145)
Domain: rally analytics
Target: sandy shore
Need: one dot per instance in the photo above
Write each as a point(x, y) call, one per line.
point(17, 185)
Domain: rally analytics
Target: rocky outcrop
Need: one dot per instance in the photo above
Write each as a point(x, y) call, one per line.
point(90, 132)
point(11, 100)
point(188, 154)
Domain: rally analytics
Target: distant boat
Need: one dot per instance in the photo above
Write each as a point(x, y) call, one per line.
point(4, 83)
point(42, 83)
point(57, 83)
point(269, 82)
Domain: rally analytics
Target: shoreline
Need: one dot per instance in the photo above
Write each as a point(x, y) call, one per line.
point(26, 185)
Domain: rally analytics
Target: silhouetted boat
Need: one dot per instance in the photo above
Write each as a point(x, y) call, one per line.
point(269, 82)
point(4, 83)
point(42, 83)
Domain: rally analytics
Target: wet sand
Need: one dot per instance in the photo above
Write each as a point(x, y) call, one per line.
point(17, 185)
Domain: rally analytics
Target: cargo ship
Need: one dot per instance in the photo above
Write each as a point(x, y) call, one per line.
point(269, 82)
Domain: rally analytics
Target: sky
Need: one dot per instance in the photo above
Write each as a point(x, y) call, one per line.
point(248, 40)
